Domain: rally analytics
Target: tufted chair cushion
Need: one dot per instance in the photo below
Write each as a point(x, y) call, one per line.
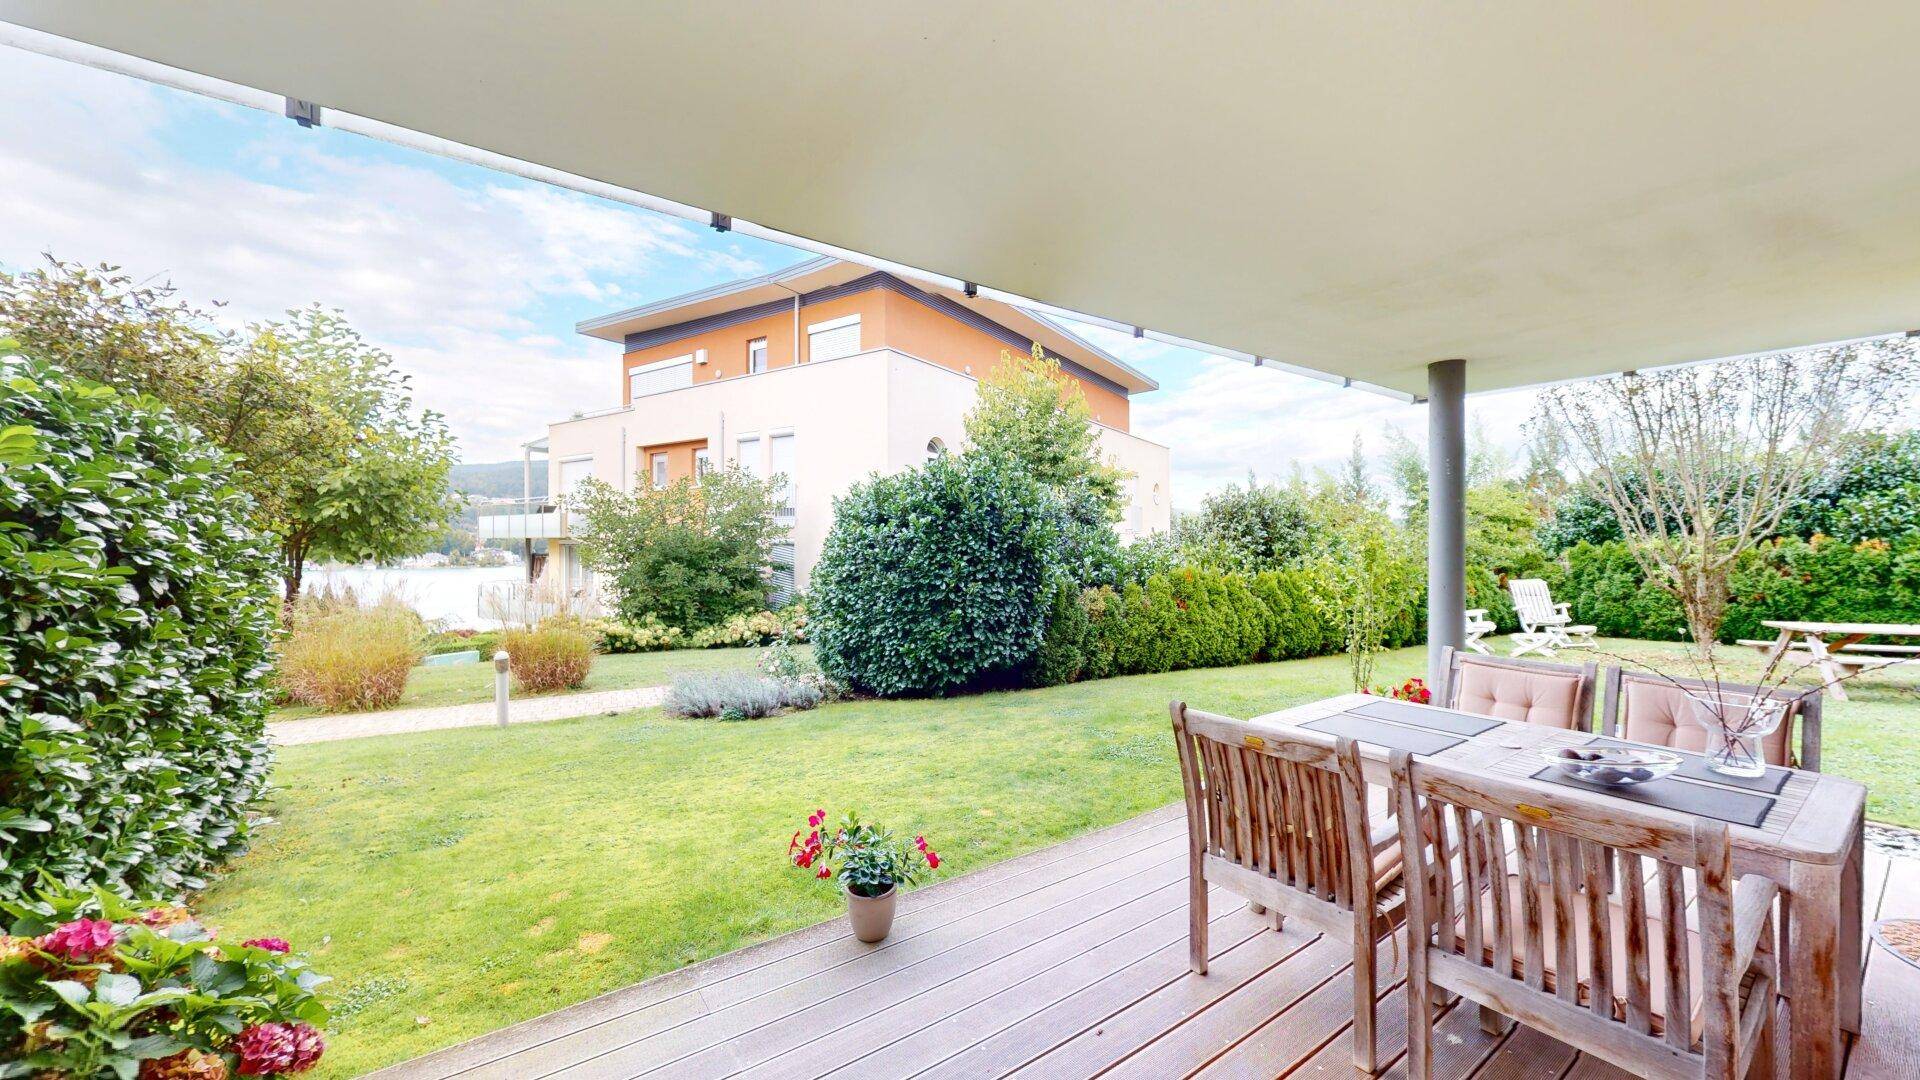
point(1653, 712)
point(1548, 698)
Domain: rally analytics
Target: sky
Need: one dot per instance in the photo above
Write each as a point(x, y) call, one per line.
point(474, 279)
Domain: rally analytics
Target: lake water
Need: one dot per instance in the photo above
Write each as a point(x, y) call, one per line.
point(445, 592)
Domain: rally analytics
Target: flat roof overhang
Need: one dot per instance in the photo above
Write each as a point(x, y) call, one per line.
point(1547, 191)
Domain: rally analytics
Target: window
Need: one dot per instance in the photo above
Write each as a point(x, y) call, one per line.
point(659, 465)
point(572, 471)
point(659, 377)
point(702, 464)
point(780, 449)
point(935, 447)
point(756, 356)
point(833, 339)
point(748, 457)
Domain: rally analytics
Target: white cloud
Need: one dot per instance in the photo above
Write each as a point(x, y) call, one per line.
point(1229, 418)
point(450, 278)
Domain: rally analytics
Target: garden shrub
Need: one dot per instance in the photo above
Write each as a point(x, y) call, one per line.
point(1294, 625)
point(555, 655)
point(1603, 586)
point(350, 659)
point(735, 695)
point(137, 611)
point(759, 628)
point(937, 579)
point(646, 635)
point(485, 642)
point(1062, 655)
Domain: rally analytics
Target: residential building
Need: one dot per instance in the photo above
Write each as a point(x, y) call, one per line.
point(823, 373)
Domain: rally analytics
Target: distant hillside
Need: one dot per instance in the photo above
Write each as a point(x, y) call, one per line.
point(496, 479)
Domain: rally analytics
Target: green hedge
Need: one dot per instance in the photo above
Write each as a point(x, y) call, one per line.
point(1187, 618)
point(137, 612)
point(1822, 579)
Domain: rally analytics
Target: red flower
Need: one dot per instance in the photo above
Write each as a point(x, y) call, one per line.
point(933, 860)
point(270, 944)
point(920, 842)
point(825, 873)
point(266, 1049)
point(78, 941)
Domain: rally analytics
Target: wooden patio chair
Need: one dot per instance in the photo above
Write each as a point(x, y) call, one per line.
point(1281, 819)
point(1545, 626)
point(1524, 919)
point(1533, 691)
point(1647, 708)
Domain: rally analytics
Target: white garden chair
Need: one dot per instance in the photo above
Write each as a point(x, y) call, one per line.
point(1478, 626)
point(1544, 625)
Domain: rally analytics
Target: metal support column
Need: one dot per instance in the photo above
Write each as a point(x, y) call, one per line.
point(1446, 511)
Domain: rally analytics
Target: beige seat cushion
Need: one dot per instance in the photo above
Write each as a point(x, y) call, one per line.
point(1548, 698)
point(1653, 712)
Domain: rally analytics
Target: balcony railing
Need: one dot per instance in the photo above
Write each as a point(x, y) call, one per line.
point(523, 519)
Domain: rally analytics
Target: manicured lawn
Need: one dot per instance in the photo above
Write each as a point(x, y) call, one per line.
point(460, 684)
point(459, 881)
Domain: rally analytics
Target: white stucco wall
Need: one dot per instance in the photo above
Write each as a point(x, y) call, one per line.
point(871, 412)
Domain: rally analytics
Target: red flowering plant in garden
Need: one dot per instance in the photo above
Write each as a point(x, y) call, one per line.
point(94, 986)
point(870, 860)
point(1415, 690)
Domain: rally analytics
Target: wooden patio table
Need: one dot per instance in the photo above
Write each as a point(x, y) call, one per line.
point(1825, 639)
point(1810, 843)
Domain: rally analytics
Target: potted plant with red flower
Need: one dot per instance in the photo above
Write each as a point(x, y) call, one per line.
point(872, 865)
point(95, 986)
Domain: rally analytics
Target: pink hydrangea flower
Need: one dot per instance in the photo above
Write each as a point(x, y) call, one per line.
point(270, 944)
point(78, 941)
point(266, 1049)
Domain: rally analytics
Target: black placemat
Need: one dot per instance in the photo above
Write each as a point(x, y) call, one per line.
point(1447, 720)
point(1392, 736)
point(1694, 767)
point(1736, 807)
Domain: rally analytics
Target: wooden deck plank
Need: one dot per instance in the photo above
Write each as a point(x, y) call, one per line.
point(1298, 1028)
point(912, 1049)
point(917, 962)
point(507, 1052)
point(1019, 1043)
point(1033, 951)
point(1889, 1043)
point(1174, 1010)
point(1527, 1055)
point(1072, 962)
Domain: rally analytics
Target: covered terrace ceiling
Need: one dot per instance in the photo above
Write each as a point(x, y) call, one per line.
point(1546, 190)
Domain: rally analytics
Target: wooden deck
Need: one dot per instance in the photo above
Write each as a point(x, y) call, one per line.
point(1068, 962)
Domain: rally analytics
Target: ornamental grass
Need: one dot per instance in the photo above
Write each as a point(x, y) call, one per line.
point(348, 658)
point(555, 655)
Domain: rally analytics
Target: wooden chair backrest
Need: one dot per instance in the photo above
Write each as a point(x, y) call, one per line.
point(1531, 600)
point(1579, 710)
point(1803, 709)
point(1466, 832)
point(1286, 805)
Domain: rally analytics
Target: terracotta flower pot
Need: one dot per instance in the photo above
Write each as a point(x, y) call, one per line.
point(872, 916)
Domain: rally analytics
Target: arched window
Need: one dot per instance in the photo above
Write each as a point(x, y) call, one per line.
point(935, 447)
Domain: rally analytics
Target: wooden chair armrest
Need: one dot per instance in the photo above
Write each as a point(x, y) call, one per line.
point(1753, 898)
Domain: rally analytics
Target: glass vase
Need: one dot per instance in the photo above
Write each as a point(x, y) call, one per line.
point(1735, 725)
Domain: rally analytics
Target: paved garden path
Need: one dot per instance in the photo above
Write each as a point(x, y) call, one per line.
point(314, 729)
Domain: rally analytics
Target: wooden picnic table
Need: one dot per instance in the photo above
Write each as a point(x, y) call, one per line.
point(1823, 639)
point(1811, 843)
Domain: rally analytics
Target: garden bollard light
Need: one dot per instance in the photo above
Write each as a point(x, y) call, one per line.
point(500, 687)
